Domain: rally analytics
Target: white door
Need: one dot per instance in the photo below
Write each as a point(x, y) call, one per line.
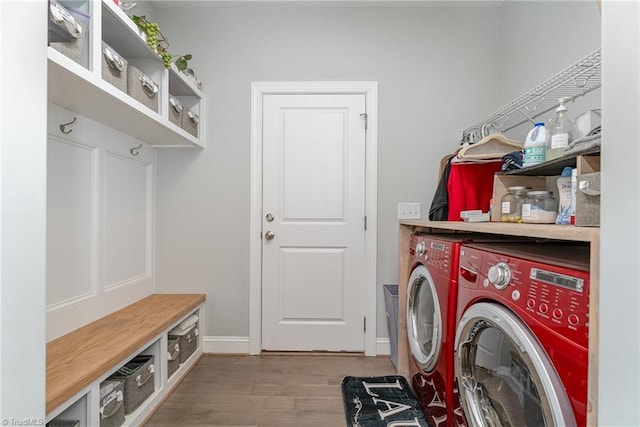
point(313, 222)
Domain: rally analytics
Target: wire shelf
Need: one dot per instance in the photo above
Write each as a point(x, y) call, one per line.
point(571, 83)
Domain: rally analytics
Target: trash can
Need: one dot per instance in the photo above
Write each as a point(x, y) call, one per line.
point(391, 305)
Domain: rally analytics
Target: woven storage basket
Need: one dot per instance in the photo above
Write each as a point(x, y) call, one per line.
point(173, 357)
point(588, 200)
point(111, 403)
point(188, 341)
point(175, 111)
point(138, 377)
point(63, 423)
point(142, 88)
point(68, 32)
point(190, 121)
point(114, 67)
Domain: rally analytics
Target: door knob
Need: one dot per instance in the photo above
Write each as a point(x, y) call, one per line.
point(269, 235)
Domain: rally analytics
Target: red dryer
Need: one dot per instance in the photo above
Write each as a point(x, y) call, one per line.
point(431, 304)
point(521, 351)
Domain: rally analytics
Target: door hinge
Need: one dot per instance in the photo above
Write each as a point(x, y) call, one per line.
point(365, 324)
point(365, 223)
point(366, 120)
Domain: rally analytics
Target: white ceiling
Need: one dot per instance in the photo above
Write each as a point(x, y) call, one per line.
point(326, 3)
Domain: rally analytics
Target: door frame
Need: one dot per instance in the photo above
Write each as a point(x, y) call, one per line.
point(258, 91)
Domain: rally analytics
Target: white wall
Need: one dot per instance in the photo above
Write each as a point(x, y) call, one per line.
point(619, 349)
point(22, 209)
point(434, 71)
point(539, 39)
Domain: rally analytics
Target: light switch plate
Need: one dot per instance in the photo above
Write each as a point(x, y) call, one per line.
point(409, 211)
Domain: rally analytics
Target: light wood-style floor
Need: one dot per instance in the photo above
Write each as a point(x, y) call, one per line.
point(274, 390)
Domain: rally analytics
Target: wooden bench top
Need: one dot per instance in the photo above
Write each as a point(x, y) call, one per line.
point(80, 357)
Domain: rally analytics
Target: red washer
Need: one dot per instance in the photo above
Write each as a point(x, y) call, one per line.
point(431, 304)
point(521, 351)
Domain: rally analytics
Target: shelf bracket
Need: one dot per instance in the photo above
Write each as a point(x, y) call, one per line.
point(527, 116)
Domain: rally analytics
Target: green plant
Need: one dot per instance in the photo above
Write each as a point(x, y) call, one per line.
point(158, 42)
point(181, 62)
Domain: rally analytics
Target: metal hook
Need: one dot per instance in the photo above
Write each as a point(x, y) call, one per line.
point(63, 127)
point(135, 150)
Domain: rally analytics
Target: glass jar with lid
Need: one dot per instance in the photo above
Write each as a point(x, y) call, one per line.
point(511, 203)
point(540, 207)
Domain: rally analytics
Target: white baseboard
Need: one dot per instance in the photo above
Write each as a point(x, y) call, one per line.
point(240, 345)
point(383, 347)
point(225, 345)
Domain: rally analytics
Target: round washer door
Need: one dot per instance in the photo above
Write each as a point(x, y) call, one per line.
point(424, 321)
point(504, 375)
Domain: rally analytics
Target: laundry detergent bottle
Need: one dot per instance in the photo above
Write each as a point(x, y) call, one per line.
point(535, 145)
point(562, 132)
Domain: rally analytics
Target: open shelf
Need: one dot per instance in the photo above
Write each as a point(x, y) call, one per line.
point(538, 231)
point(77, 89)
point(553, 167)
point(97, 350)
point(83, 90)
point(122, 34)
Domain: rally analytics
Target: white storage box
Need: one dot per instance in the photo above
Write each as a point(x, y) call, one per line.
point(586, 122)
point(142, 88)
point(114, 67)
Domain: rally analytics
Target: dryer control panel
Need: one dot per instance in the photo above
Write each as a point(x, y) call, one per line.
point(557, 296)
point(434, 253)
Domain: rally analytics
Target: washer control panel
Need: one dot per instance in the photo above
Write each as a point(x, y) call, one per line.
point(555, 295)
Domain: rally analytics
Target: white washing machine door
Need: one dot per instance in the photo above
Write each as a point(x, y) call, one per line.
point(504, 375)
point(424, 319)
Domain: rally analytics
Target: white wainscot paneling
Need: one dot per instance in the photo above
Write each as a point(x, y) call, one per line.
point(71, 209)
point(127, 187)
point(100, 221)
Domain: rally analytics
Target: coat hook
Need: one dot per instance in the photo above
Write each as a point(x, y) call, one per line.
point(135, 150)
point(63, 127)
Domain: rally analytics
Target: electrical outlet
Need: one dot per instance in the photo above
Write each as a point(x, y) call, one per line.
point(409, 211)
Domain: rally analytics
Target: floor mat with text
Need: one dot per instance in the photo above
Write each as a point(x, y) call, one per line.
point(380, 402)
